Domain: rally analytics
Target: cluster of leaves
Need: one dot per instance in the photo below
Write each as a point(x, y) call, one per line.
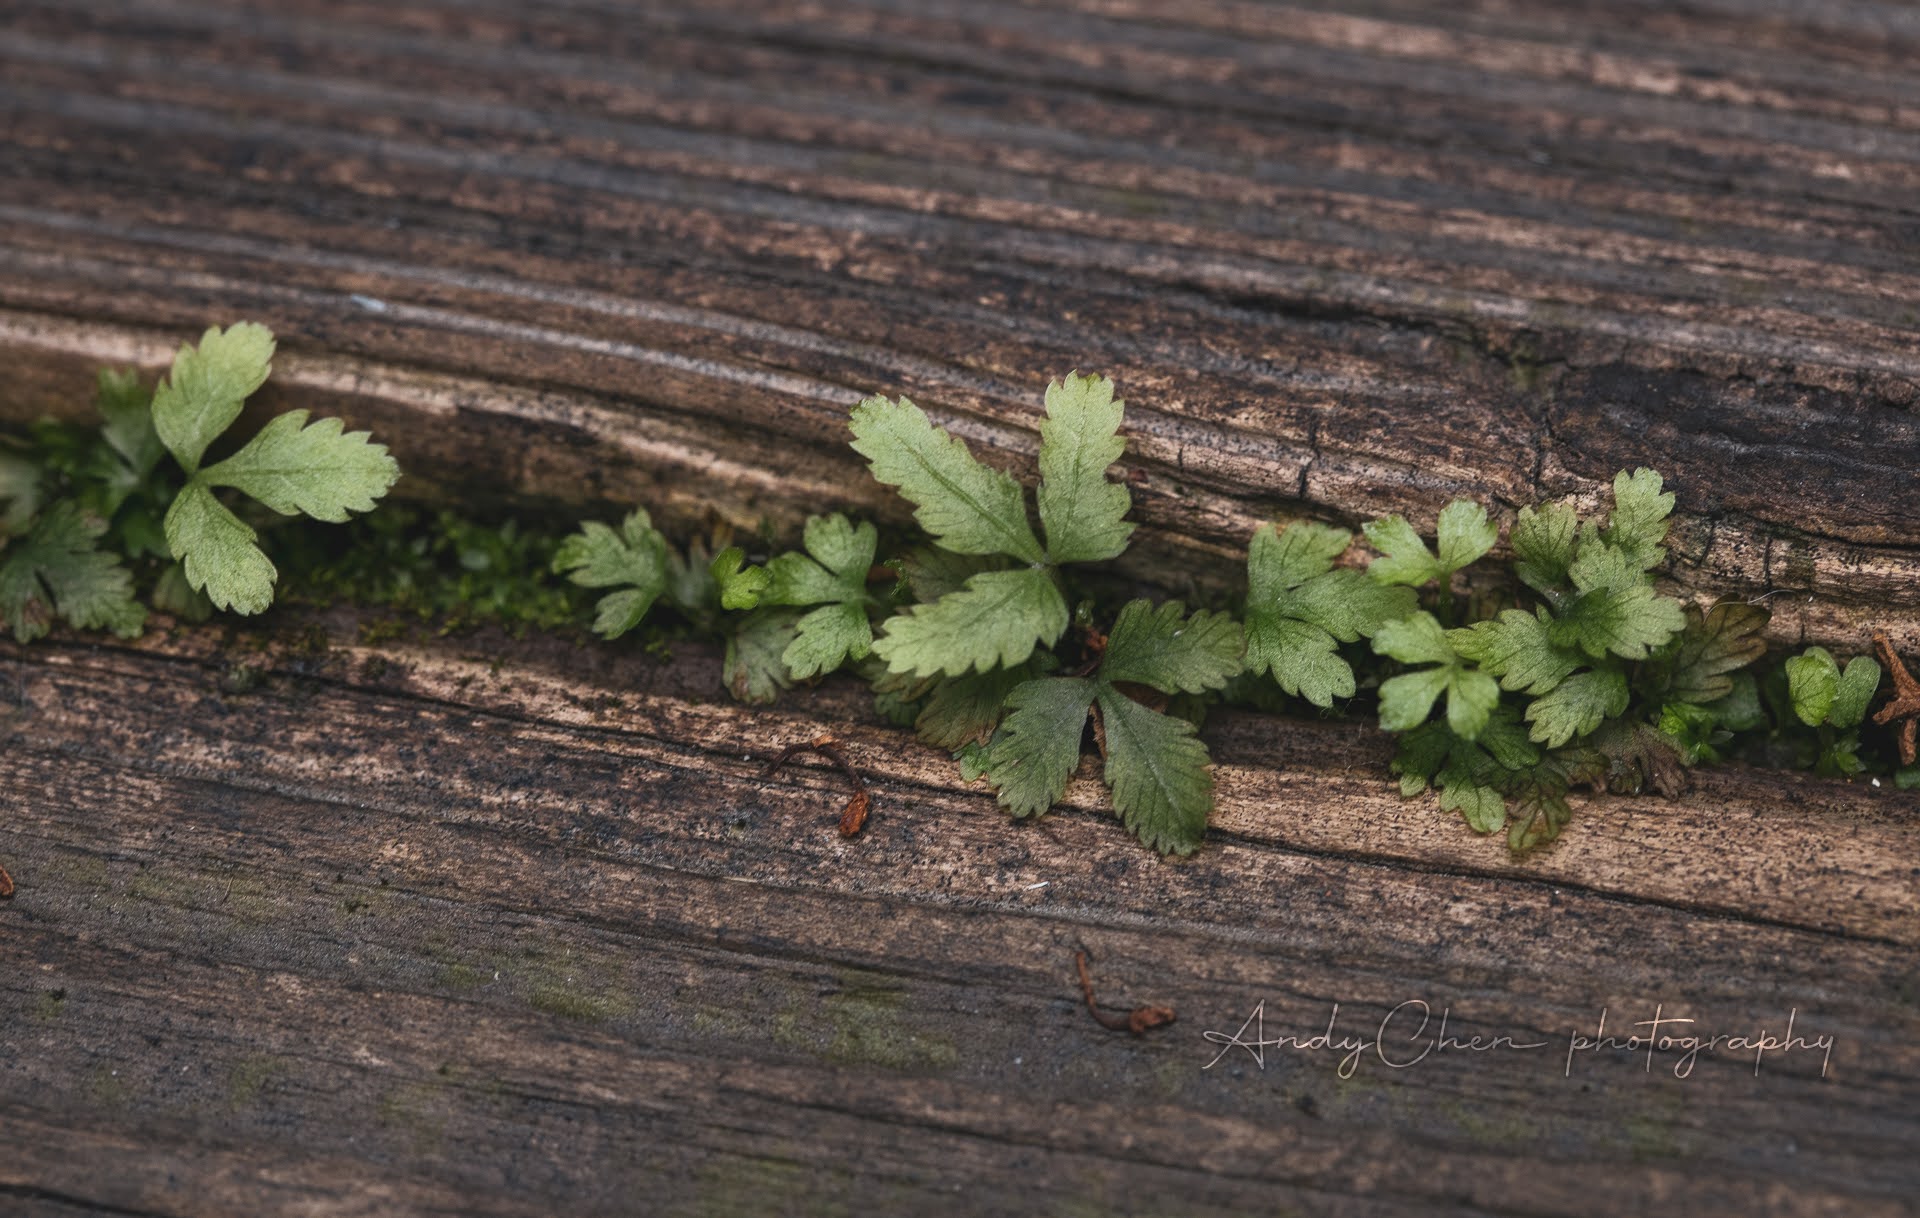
point(84, 510)
point(1577, 673)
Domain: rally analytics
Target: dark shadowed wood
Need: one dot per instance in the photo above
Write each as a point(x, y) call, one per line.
point(466, 926)
point(1340, 262)
point(477, 926)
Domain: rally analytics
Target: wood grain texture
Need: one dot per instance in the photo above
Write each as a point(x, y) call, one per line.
point(1340, 262)
point(477, 926)
point(466, 926)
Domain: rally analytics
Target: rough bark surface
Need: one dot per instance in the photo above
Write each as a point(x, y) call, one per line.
point(1339, 262)
point(308, 925)
point(468, 926)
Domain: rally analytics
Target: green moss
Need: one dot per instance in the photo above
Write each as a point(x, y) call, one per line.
point(862, 1024)
point(249, 1077)
point(434, 566)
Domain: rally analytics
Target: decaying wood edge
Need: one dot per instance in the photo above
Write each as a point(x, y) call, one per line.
point(473, 439)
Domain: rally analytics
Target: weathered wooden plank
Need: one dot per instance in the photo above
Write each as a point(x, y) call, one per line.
point(468, 894)
point(484, 927)
point(1340, 263)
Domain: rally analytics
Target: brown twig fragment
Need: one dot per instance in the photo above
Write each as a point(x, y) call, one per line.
point(1138, 1021)
point(854, 816)
point(1905, 707)
point(6, 885)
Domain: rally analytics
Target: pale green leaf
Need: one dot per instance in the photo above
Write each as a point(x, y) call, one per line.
point(1577, 706)
point(1407, 700)
point(1298, 605)
point(218, 551)
point(995, 621)
point(1465, 534)
point(839, 556)
point(634, 558)
point(740, 586)
point(1544, 541)
point(1516, 647)
point(315, 470)
point(1347, 604)
point(1638, 526)
point(1083, 512)
point(966, 506)
point(1617, 610)
point(203, 393)
point(1163, 648)
point(1414, 640)
point(1038, 745)
point(1404, 558)
point(827, 637)
point(1158, 771)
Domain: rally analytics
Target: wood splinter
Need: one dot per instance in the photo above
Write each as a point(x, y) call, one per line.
point(854, 816)
point(6, 885)
point(1138, 1021)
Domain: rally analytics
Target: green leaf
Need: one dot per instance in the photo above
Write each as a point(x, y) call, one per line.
point(57, 569)
point(1711, 646)
point(966, 506)
point(1158, 770)
point(752, 668)
point(827, 638)
point(203, 394)
point(1577, 706)
point(1163, 648)
point(1857, 686)
point(1081, 510)
point(995, 621)
point(1813, 681)
point(1301, 657)
point(129, 428)
point(1415, 640)
point(172, 594)
point(1404, 558)
point(740, 586)
point(1407, 700)
point(1483, 807)
point(1038, 744)
point(1517, 648)
point(1617, 610)
point(1298, 606)
point(968, 708)
point(21, 490)
point(931, 572)
point(834, 572)
point(1638, 527)
point(1465, 534)
point(312, 470)
point(835, 567)
point(1544, 540)
point(634, 559)
point(219, 552)
point(1820, 693)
